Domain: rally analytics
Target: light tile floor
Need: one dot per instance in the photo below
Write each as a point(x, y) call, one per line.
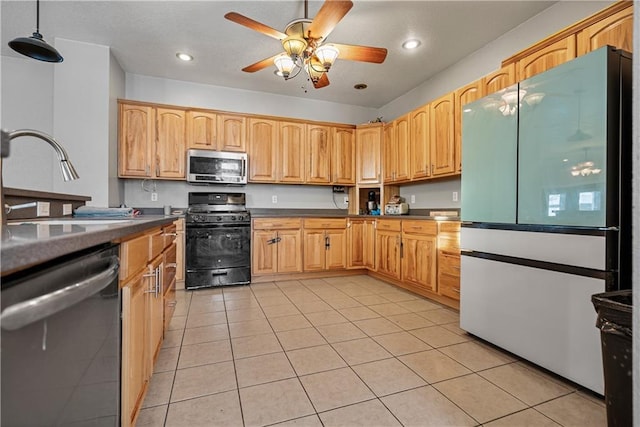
point(345, 351)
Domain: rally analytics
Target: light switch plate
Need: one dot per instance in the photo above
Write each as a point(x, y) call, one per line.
point(274, 199)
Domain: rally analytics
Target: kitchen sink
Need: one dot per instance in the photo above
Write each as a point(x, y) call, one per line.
point(73, 221)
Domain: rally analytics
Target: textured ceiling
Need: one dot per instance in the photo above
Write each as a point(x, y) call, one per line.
point(145, 35)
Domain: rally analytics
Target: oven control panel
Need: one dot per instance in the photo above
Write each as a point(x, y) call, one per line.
point(218, 218)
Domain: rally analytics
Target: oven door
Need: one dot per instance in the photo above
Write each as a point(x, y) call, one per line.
point(216, 246)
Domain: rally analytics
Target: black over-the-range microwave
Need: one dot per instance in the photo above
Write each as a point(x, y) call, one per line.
point(216, 167)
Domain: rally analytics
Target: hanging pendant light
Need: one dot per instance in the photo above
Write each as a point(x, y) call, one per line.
point(35, 47)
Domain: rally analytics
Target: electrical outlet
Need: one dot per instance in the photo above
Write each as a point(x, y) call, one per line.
point(67, 209)
point(42, 209)
point(345, 200)
point(413, 198)
point(154, 197)
point(455, 196)
point(274, 199)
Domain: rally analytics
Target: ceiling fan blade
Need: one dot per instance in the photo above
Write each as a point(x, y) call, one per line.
point(322, 82)
point(376, 55)
point(331, 12)
point(255, 25)
point(260, 65)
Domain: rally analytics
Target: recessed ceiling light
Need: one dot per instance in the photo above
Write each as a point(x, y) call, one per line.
point(411, 44)
point(184, 56)
point(360, 86)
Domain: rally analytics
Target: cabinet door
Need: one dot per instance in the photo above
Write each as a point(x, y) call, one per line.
point(263, 137)
point(615, 30)
point(314, 250)
point(419, 143)
point(263, 252)
point(169, 281)
point(137, 140)
point(134, 370)
point(464, 95)
point(336, 254)
point(402, 137)
point(343, 156)
point(170, 145)
point(389, 152)
point(231, 133)
point(368, 140)
point(155, 310)
point(419, 261)
point(289, 248)
point(355, 244)
point(388, 253)
point(369, 244)
point(319, 154)
point(441, 131)
point(499, 79)
point(544, 59)
point(291, 152)
point(201, 130)
point(180, 250)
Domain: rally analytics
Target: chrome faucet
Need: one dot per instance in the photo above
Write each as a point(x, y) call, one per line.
point(68, 171)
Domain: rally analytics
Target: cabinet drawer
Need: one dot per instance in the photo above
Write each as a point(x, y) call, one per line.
point(276, 223)
point(449, 264)
point(170, 233)
point(324, 223)
point(449, 226)
point(420, 227)
point(449, 286)
point(449, 242)
point(157, 243)
point(134, 255)
point(388, 224)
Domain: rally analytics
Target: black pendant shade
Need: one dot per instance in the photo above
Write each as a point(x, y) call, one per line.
point(35, 47)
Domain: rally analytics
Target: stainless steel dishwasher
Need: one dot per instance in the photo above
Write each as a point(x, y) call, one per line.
point(60, 342)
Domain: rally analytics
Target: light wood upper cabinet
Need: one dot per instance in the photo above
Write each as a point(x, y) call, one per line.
point(231, 133)
point(201, 130)
point(263, 140)
point(291, 152)
point(615, 30)
point(498, 80)
point(463, 95)
point(343, 156)
point(396, 150)
point(419, 164)
point(368, 146)
point(318, 154)
point(137, 140)
point(546, 58)
point(441, 129)
point(170, 145)
point(388, 151)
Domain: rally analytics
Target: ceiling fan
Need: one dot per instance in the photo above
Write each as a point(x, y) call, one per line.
point(303, 42)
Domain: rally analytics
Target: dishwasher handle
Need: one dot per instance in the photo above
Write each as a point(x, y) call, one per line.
point(26, 312)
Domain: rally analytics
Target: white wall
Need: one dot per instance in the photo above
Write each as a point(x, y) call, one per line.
point(174, 193)
point(27, 102)
point(117, 87)
point(167, 91)
point(436, 194)
point(489, 58)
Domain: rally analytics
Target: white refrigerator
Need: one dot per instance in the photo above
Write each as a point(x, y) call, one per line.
point(546, 211)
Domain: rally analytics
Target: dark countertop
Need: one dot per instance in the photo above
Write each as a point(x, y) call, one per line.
point(28, 243)
point(342, 213)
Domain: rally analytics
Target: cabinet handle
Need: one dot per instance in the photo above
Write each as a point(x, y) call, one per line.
point(432, 169)
point(172, 265)
point(455, 290)
point(170, 234)
point(327, 243)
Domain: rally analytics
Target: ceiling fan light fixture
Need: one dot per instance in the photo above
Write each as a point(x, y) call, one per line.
point(285, 65)
point(327, 55)
point(314, 69)
point(294, 46)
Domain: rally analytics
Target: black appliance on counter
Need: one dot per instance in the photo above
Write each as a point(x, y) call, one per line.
point(218, 240)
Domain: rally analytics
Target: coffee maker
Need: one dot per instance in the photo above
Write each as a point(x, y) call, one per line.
point(372, 205)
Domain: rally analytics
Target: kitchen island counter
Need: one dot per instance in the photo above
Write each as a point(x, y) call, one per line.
point(27, 243)
point(341, 213)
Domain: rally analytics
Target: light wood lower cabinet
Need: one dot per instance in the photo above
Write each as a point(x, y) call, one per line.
point(419, 240)
point(388, 242)
point(276, 246)
point(325, 241)
point(361, 243)
point(449, 259)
